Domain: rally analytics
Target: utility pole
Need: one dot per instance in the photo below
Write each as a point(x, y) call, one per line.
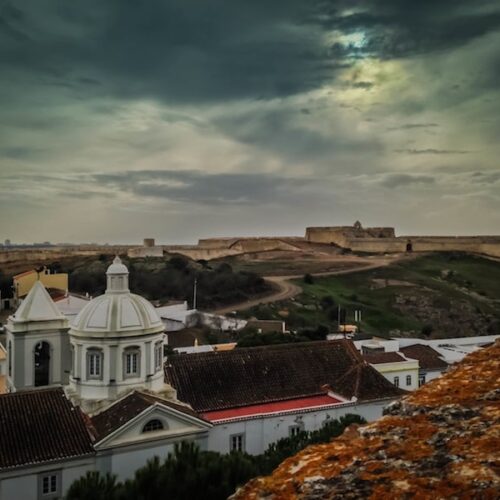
point(194, 293)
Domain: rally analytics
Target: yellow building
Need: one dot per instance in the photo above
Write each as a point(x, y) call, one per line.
point(23, 282)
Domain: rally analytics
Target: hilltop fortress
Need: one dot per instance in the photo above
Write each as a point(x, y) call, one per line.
point(324, 239)
point(384, 240)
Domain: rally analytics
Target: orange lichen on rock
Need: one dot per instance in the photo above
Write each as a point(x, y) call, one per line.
point(442, 441)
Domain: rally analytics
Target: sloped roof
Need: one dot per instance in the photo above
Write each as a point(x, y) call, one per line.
point(129, 407)
point(376, 358)
point(428, 358)
point(245, 376)
point(37, 306)
point(40, 426)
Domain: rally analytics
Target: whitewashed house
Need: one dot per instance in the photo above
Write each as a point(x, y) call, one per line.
point(396, 368)
point(255, 396)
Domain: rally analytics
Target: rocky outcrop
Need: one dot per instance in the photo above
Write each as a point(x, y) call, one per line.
point(442, 441)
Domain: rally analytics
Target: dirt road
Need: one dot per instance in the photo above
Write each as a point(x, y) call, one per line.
point(287, 290)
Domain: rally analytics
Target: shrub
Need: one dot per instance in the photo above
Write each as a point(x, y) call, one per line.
point(308, 279)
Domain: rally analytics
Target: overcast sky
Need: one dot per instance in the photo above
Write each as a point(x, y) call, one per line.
point(180, 119)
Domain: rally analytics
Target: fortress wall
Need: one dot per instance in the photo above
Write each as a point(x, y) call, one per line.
point(342, 235)
point(204, 253)
point(146, 251)
point(336, 235)
point(50, 254)
point(472, 244)
point(377, 245)
point(217, 242)
point(377, 232)
point(247, 245)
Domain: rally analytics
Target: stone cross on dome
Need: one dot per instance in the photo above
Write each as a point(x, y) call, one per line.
point(117, 277)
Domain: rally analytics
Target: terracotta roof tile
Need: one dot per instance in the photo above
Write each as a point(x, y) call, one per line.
point(246, 376)
point(40, 426)
point(427, 357)
point(376, 358)
point(129, 407)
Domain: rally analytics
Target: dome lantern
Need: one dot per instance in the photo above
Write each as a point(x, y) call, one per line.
point(117, 277)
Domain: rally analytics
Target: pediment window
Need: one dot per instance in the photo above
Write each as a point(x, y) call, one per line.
point(154, 425)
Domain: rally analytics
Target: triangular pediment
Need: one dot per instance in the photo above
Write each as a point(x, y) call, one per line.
point(176, 426)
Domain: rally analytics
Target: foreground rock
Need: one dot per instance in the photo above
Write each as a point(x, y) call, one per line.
point(442, 441)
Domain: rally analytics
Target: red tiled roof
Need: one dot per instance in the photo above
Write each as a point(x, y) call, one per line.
point(376, 358)
point(276, 407)
point(41, 426)
point(129, 407)
point(256, 375)
point(427, 357)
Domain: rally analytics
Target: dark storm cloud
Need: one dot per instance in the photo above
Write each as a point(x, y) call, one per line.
point(21, 152)
point(183, 50)
point(432, 151)
point(410, 126)
point(396, 28)
point(398, 180)
point(485, 177)
point(279, 131)
point(191, 51)
point(201, 188)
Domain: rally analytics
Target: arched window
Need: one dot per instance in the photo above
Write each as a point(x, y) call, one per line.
point(153, 425)
point(41, 355)
point(131, 362)
point(94, 364)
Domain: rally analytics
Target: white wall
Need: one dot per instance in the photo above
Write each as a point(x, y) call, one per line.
point(391, 370)
point(22, 484)
point(430, 374)
point(124, 461)
point(261, 432)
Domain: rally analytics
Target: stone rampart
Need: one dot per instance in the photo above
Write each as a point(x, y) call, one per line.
point(54, 253)
point(471, 244)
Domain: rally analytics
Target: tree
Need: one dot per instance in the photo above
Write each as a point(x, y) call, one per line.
point(94, 486)
point(189, 473)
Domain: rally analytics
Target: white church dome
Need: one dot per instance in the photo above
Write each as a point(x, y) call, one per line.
point(117, 312)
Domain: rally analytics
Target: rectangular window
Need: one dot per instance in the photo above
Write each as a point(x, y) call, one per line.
point(408, 379)
point(158, 356)
point(237, 442)
point(131, 363)
point(396, 381)
point(49, 485)
point(94, 364)
point(421, 380)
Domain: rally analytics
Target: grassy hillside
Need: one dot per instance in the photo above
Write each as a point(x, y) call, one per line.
point(440, 295)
